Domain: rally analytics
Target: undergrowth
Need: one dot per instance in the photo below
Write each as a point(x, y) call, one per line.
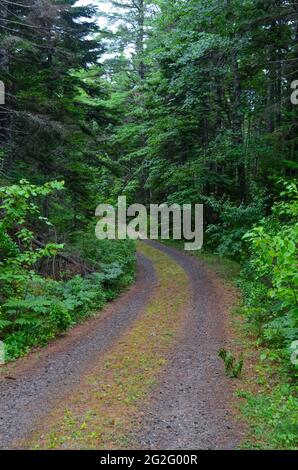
point(34, 308)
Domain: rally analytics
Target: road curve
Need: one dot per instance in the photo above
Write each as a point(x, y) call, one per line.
point(192, 407)
point(189, 409)
point(31, 387)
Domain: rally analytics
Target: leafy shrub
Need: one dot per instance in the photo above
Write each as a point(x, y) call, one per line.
point(272, 270)
point(233, 367)
point(18, 254)
point(226, 236)
point(114, 259)
point(35, 309)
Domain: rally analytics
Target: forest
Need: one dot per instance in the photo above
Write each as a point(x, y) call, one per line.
point(166, 101)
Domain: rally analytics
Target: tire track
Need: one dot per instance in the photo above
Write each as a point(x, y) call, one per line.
point(191, 409)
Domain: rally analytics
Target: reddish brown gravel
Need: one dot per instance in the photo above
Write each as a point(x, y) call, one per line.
point(192, 407)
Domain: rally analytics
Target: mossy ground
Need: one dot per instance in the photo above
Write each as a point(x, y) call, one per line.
point(107, 406)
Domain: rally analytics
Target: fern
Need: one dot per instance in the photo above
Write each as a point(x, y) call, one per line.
point(233, 368)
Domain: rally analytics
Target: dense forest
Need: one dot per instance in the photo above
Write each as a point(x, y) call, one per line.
point(166, 101)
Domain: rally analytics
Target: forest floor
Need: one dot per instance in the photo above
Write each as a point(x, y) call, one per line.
point(143, 373)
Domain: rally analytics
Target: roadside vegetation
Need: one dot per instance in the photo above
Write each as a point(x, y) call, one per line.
point(269, 282)
point(35, 308)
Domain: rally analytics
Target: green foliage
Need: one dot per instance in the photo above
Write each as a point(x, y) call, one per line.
point(18, 254)
point(35, 309)
point(233, 367)
point(114, 259)
point(273, 417)
point(207, 119)
point(273, 291)
point(269, 282)
point(233, 222)
point(50, 307)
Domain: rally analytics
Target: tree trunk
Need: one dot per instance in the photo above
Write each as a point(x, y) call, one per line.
point(5, 131)
point(140, 39)
point(237, 126)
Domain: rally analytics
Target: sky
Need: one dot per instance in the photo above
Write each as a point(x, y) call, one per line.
point(104, 6)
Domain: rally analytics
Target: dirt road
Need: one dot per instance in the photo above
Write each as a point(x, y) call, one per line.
point(191, 408)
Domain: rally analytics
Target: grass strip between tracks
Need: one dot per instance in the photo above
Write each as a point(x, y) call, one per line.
point(106, 407)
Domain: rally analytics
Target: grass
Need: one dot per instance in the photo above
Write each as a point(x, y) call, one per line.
point(107, 407)
point(269, 397)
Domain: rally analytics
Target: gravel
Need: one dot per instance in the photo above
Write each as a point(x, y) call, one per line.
point(191, 409)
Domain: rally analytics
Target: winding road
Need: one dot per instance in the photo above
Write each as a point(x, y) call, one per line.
point(190, 405)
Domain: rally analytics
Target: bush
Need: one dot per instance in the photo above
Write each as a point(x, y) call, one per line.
point(35, 309)
point(114, 259)
point(226, 236)
point(270, 276)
